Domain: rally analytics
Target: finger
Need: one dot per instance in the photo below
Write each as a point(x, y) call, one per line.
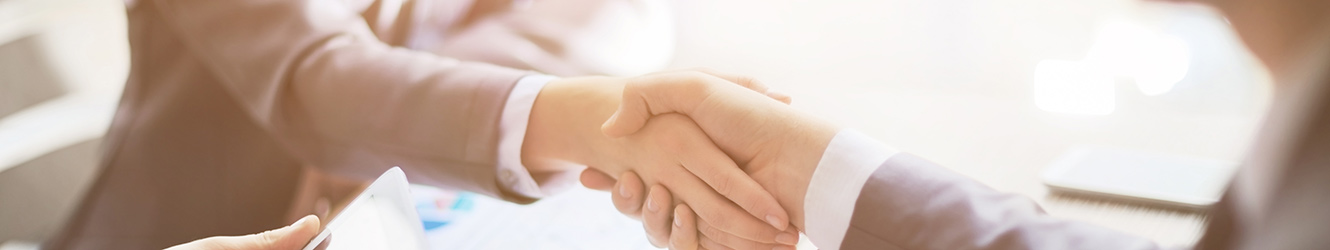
point(656, 215)
point(293, 236)
point(748, 82)
point(717, 210)
point(628, 195)
point(595, 179)
point(684, 234)
point(731, 241)
point(709, 243)
point(708, 163)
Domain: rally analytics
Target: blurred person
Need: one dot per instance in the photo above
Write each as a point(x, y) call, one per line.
point(848, 191)
point(242, 115)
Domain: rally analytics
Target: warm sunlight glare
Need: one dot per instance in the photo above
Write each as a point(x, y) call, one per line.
point(1072, 88)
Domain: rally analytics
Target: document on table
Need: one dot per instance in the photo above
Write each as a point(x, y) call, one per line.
point(579, 218)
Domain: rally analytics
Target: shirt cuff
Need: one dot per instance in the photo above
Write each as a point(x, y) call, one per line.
point(513, 176)
point(846, 164)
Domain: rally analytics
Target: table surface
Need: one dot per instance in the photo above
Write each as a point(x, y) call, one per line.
point(951, 81)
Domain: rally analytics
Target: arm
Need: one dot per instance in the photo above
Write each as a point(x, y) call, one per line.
point(314, 75)
point(904, 201)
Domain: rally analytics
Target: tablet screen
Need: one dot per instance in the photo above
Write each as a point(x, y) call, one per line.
point(374, 224)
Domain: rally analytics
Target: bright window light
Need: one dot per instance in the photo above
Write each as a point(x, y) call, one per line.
point(1071, 87)
point(1154, 60)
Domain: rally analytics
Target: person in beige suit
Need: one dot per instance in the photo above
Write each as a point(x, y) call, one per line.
point(244, 115)
point(848, 191)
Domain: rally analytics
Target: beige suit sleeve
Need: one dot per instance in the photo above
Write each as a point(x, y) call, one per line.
point(910, 203)
point(315, 76)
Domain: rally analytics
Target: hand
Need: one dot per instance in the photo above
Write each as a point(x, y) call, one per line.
point(777, 145)
point(687, 230)
point(564, 132)
point(681, 139)
point(292, 237)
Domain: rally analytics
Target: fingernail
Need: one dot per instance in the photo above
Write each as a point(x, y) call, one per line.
point(293, 225)
point(301, 220)
point(651, 205)
point(775, 222)
point(677, 221)
point(610, 121)
point(787, 239)
point(623, 191)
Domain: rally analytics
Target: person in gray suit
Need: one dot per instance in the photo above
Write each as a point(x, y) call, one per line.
point(847, 191)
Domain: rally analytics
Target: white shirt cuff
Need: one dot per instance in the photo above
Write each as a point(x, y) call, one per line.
point(513, 176)
point(848, 161)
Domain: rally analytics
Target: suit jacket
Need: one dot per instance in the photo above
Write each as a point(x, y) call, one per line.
point(239, 115)
point(1280, 199)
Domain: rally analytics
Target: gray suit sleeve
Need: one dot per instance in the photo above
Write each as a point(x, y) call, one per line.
point(910, 203)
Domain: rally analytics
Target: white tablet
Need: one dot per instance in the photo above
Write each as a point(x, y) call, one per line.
point(1158, 179)
point(381, 217)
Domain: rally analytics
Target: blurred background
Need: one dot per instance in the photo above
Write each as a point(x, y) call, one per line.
point(995, 90)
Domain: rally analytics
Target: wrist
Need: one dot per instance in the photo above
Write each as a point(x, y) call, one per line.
point(564, 128)
point(794, 159)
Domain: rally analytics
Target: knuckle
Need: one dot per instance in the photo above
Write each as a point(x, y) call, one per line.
point(710, 231)
point(721, 220)
point(696, 77)
point(632, 86)
point(725, 186)
point(750, 82)
point(268, 238)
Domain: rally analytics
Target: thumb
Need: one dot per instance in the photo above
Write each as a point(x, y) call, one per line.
point(292, 237)
point(286, 238)
point(632, 114)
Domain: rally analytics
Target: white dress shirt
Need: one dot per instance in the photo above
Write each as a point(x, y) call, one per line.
point(512, 132)
point(846, 164)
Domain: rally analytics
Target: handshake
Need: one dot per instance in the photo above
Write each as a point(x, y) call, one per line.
point(727, 161)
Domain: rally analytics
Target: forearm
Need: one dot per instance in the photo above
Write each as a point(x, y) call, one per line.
point(915, 204)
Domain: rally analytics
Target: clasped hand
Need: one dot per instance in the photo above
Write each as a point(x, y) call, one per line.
point(774, 144)
point(671, 153)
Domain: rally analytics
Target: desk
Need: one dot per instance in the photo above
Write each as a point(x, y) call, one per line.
point(950, 81)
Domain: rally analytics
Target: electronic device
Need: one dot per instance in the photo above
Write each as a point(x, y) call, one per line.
point(1158, 179)
point(381, 217)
